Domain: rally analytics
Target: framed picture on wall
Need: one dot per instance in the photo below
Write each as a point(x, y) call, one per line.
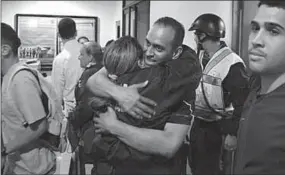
point(39, 34)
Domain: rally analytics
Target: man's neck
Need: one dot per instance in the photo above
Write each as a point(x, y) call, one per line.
point(271, 82)
point(7, 63)
point(64, 41)
point(212, 48)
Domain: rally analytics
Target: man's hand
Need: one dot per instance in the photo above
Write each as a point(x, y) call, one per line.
point(135, 104)
point(230, 142)
point(128, 97)
point(106, 121)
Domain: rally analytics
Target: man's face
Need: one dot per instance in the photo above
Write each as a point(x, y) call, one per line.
point(158, 46)
point(267, 41)
point(84, 58)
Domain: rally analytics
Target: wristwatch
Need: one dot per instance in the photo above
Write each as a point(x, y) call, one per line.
point(3, 151)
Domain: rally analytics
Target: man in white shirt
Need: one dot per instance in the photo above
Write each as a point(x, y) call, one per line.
point(65, 74)
point(66, 69)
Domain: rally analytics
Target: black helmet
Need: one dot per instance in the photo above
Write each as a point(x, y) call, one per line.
point(210, 24)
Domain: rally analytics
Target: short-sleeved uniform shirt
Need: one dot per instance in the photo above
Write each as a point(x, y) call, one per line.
point(26, 96)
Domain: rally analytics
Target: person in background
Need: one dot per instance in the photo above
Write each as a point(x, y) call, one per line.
point(219, 97)
point(163, 46)
point(90, 57)
point(82, 39)
point(261, 143)
point(66, 69)
point(21, 150)
point(65, 74)
point(81, 118)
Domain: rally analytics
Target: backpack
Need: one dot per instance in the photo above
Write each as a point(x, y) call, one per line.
point(55, 138)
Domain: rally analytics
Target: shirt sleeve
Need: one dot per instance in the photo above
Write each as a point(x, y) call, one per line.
point(184, 77)
point(236, 87)
point(57, 76)
point(184, 114)
point(27, 94)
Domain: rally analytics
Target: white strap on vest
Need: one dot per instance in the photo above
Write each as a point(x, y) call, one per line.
point(216, 60)
point(219, 58)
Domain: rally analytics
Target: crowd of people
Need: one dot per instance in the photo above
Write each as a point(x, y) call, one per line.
point(151, 109)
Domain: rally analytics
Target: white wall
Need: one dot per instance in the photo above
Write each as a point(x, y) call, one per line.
point(118, 16)
point(187, 11)
point(104, 10)
point(110, 11)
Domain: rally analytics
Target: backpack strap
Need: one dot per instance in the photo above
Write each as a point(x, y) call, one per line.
point(217, 60)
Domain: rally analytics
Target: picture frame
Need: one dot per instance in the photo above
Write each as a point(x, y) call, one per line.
point(39, 34)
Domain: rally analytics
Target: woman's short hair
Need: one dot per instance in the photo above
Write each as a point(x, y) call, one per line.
point(122, 55)
point(94, 49)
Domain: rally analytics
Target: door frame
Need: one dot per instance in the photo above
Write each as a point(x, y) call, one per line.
point(237, 26)
point(130, 7)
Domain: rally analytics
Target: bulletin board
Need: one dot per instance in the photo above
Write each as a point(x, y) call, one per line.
point(39, 36)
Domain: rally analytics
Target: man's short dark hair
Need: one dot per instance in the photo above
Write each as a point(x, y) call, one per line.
point(82, 37)
point(272, 3)
point(177, 27)
point(67, 28)
point(10, 37)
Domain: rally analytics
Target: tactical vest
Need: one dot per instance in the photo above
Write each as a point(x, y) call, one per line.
point(210, 90)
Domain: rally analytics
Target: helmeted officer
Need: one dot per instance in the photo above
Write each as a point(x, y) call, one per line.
point(219, 97)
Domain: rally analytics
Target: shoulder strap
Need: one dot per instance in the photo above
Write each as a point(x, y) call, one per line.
point(219, 58)
point(216, 60)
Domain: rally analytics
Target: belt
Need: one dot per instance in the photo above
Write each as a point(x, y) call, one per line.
point(69, 101)
point(211, 118)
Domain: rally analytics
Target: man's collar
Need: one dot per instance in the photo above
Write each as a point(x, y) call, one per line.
point(70, 43)
point(223, 44)
point(90, 64)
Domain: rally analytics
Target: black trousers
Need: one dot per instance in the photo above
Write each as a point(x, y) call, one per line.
point(205, 148)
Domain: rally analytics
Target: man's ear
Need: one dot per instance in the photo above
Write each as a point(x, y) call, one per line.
point(177, 52)
point(5, 50)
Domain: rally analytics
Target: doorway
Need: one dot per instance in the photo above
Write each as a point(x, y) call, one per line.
point(244, 12)
point(136, 19)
